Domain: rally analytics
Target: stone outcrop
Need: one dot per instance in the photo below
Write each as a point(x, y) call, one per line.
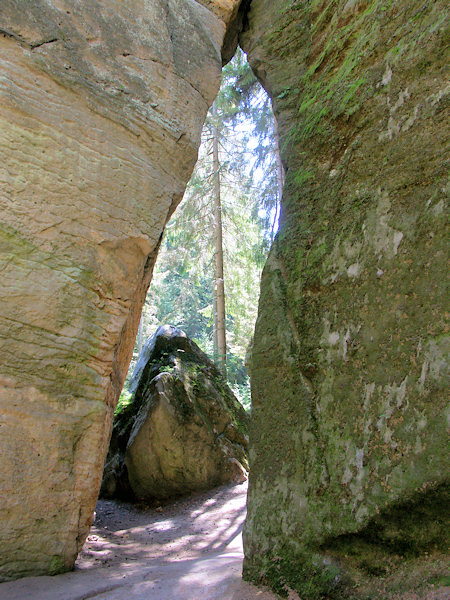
point(183, 430)
point(348, 462)
point(101, 110)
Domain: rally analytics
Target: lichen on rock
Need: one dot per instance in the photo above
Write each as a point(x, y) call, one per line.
point(348, 418)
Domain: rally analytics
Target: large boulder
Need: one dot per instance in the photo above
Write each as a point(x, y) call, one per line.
point(101, 110)
point(349, 366)
point(183, 431)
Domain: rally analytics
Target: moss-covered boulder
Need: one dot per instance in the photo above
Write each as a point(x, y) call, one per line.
point(183, 430)
point(349, 380)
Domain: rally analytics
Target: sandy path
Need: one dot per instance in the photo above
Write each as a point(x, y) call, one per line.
point(191, 550)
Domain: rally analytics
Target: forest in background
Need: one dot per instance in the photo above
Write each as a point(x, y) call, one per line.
point(231, 202)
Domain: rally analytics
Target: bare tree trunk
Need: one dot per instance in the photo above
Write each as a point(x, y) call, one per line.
point(140, 335)
point(280, 177)
point(219, 287)
point(215, 342)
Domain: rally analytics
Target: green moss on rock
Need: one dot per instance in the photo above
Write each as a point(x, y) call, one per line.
point(350, 349)
point(182, 430)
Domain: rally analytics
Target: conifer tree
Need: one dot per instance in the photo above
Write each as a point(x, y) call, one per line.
point(219, 236)
point(220, 343)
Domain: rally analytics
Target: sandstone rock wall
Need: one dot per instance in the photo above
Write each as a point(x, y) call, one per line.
point(349, 356)
point(101, 109)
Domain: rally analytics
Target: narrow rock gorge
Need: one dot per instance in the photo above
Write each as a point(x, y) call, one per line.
point(102, 105)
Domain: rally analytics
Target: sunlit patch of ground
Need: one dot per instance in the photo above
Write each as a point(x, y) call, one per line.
point(190, 549)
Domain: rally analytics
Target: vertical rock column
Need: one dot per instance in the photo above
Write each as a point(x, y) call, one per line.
point(101, 109)
point(349, 356)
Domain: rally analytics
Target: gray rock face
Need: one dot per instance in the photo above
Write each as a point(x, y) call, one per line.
point(349, 407)
point(101, 110)
point(183, 431)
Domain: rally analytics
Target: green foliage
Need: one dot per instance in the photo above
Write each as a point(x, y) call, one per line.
point(182, 289)
point(124, 400)
point(242, 393)
point(246, 108)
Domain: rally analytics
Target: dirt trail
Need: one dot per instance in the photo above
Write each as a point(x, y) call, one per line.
point(188, 550)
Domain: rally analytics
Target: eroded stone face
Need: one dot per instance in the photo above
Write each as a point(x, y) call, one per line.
point(349, 368)
point(101, 109)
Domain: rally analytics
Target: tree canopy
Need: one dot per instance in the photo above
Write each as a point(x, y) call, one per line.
point(181, 293)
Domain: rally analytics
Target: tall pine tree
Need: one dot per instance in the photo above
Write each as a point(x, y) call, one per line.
point(220, 234)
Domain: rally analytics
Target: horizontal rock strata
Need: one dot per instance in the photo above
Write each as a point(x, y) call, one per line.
point(101, 110)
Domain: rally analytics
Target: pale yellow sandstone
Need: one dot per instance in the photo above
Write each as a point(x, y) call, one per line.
point(101, 110)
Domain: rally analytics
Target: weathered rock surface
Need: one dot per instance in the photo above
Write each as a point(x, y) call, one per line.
point(348, 459)
point(101, 109)
point(183, 431)
point(100, 117)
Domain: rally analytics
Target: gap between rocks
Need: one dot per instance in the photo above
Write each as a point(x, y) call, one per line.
point(190, 549)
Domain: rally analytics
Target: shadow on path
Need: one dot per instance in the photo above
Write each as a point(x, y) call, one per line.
point(190, 550)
